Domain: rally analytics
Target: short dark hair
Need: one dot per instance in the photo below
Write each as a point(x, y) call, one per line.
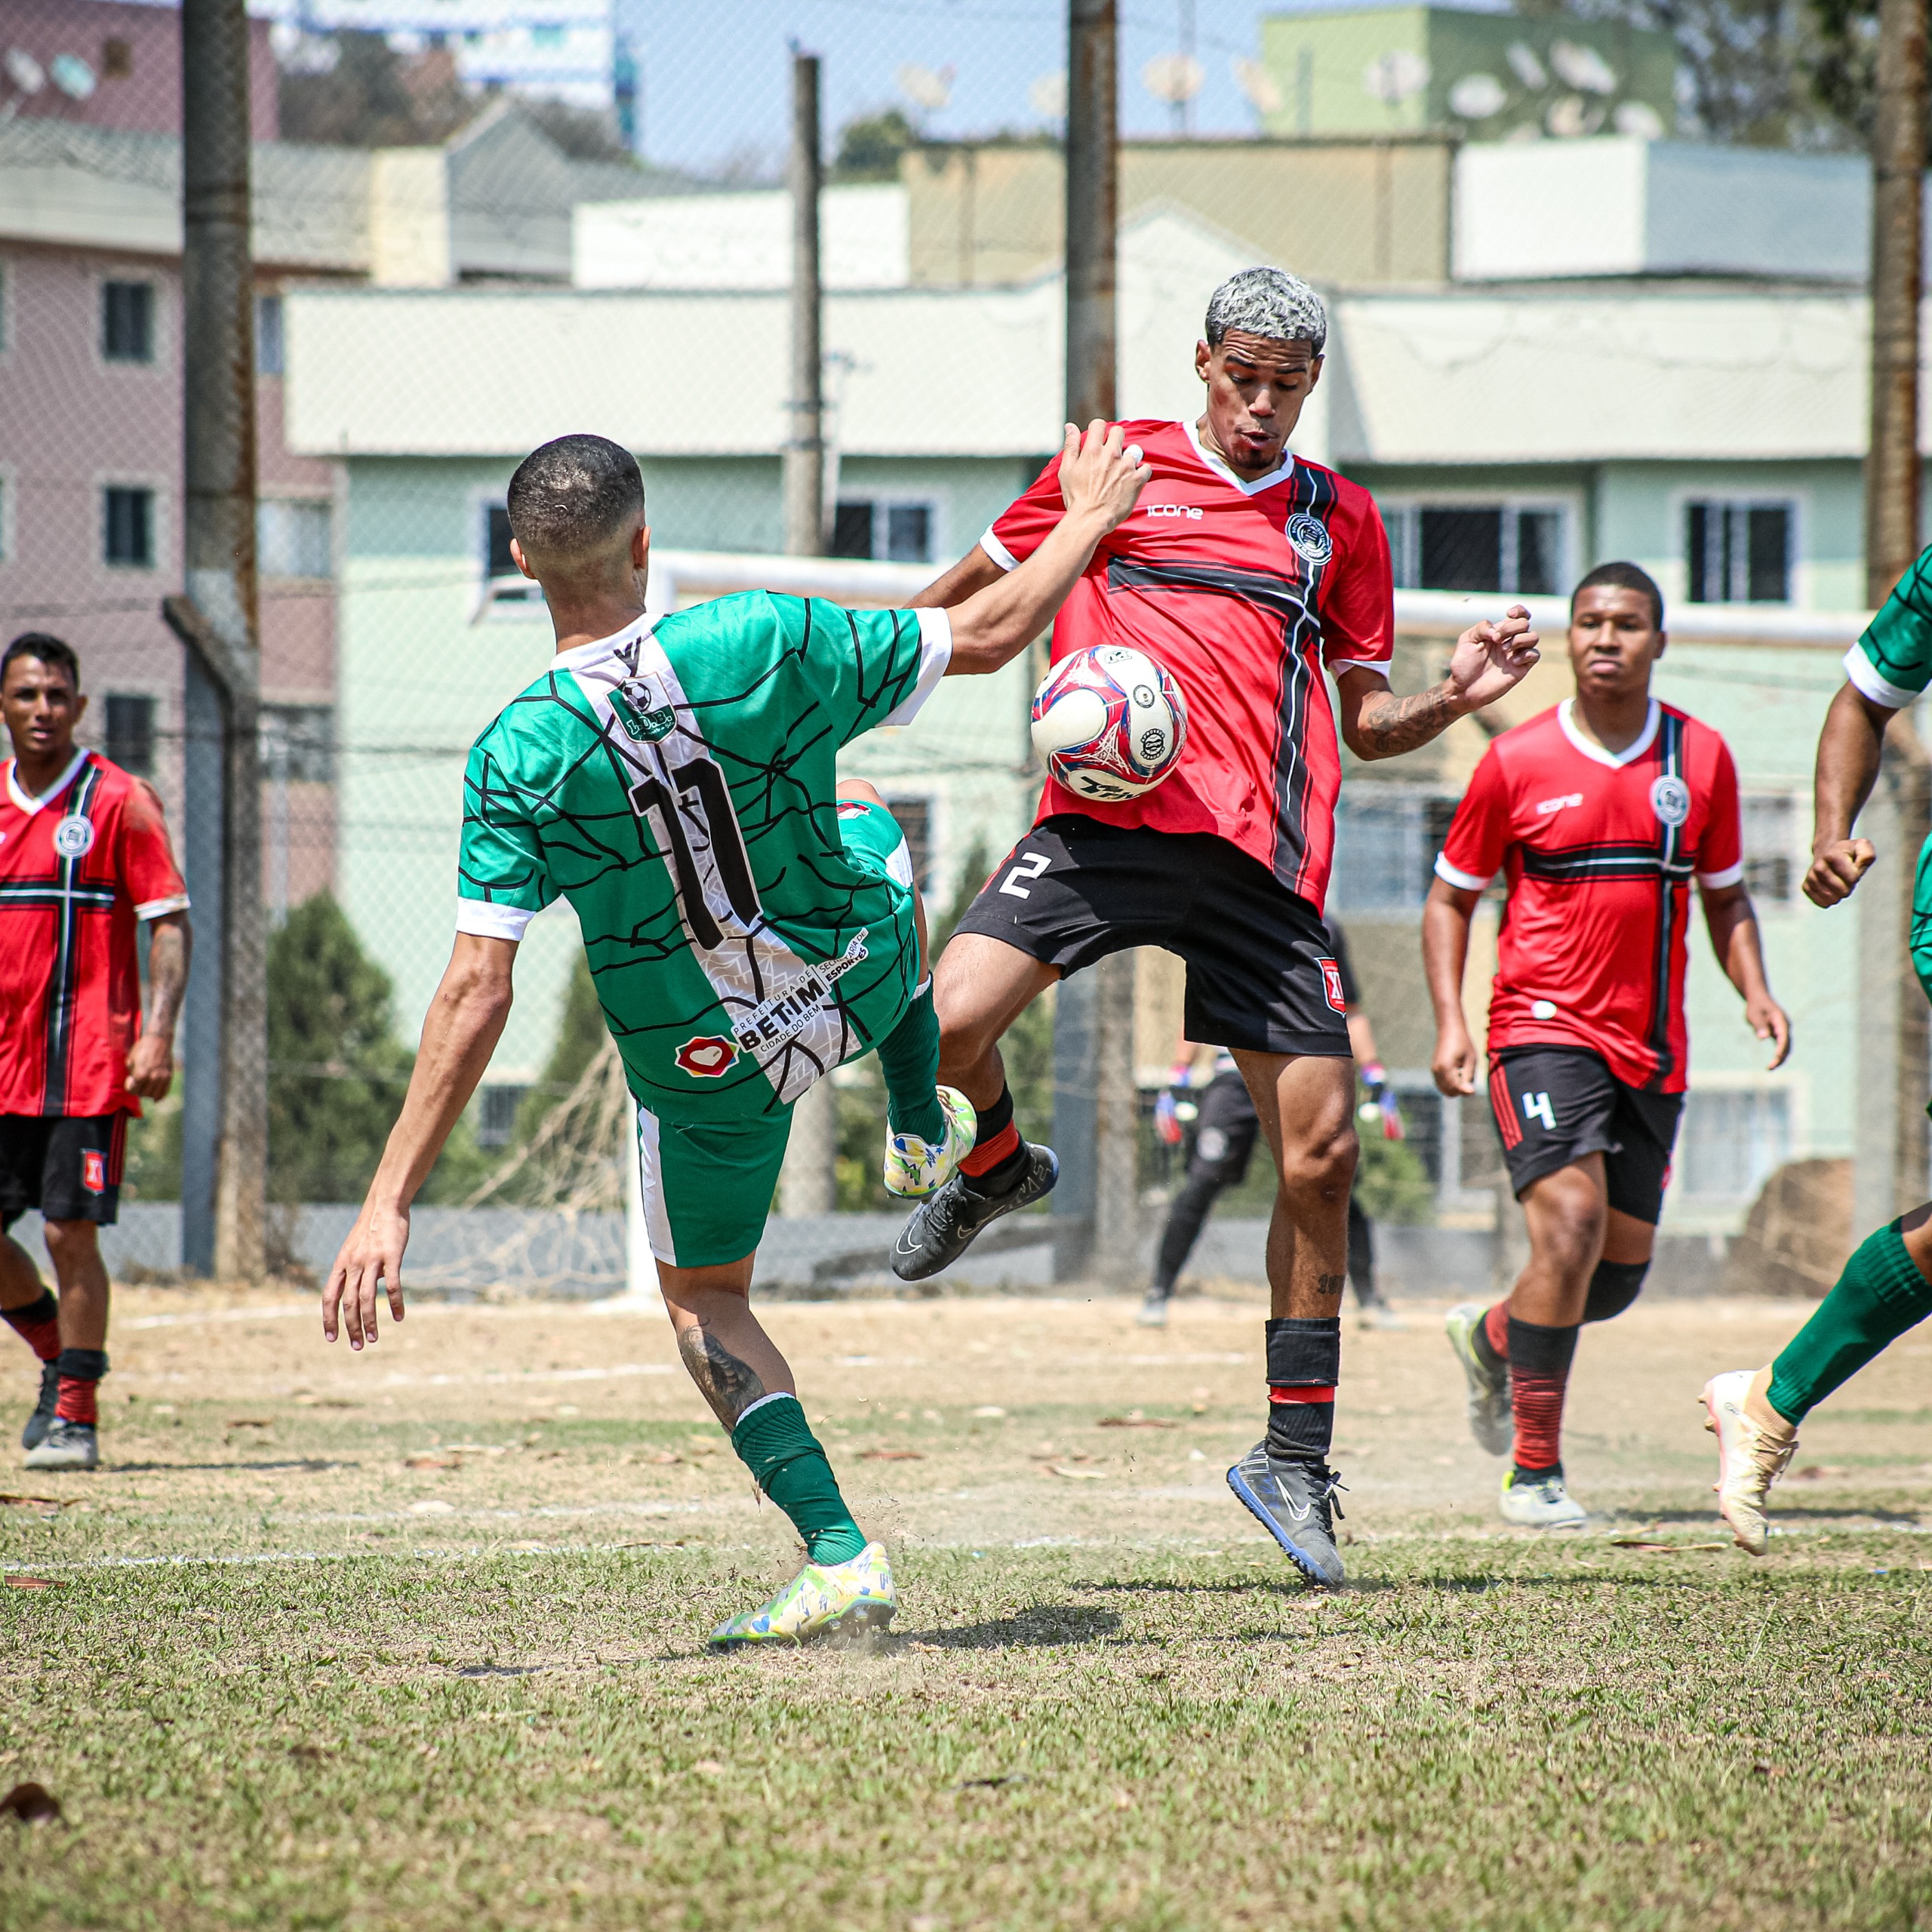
point(48, 650)
point(1622, 576)
point(572, 496)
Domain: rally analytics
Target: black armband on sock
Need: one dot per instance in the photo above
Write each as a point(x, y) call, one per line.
point(1535, 1350)
point(45, 1309)
point(995, 1119)
point(1613, 1287)
point(1304, 1353)
point(82, 1365)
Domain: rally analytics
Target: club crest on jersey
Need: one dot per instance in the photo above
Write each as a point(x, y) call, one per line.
point(1670, 799)
point(638, 715)
point(1331, 984)
point(93, 1170)
point(707, 1055)
point(73, 837)
point(1309, 537)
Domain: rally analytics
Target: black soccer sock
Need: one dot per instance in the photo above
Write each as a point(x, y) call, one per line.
point(1185, 1218)
point(1304, 1365)
point(999, 1155)
point(1613, 1287)
point(37, 1324)
point(1362, 1254)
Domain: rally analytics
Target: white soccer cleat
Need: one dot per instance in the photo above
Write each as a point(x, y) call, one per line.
point(915, 1168)
point(1540, 1503)
point(1750, 1458)
point(1490, 1420)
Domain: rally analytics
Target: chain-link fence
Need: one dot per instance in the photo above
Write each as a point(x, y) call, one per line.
point(477, 227)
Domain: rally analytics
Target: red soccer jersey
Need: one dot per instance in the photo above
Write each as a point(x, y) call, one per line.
point(1244, 591)
point(79, 868)
point(1599, 850)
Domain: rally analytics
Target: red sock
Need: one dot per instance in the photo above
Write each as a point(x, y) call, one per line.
point(37, 1324)
point(989, 1154)
point(77, 1400)
point(1539, 1359)
point(1496, 1326)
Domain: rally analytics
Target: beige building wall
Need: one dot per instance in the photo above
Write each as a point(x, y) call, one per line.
point(1351, 211)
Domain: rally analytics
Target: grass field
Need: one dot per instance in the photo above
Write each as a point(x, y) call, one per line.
point(417, 1640)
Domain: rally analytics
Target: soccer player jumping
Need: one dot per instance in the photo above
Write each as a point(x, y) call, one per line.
point(1248, 573)
point(749, 923)
point(1884, 1289)
point(1600, 812)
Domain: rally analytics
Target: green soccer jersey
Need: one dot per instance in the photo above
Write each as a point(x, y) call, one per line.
point(675, 783)
point(1892, 663)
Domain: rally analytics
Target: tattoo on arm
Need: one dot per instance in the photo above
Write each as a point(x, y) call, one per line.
point(1388, 725)
point(727, 1384)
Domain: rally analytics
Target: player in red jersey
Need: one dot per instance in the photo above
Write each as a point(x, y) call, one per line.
point(83, 861)
point(1599, 813)
point(1249, 573)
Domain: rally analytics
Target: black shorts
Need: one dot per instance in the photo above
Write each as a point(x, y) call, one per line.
point(1224, 1131)
point(1261, 974)
point(68, 1167)
point(1554, 1105)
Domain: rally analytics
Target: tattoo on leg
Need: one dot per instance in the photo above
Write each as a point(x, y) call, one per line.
point(727, 1384)
point(1330, 1284)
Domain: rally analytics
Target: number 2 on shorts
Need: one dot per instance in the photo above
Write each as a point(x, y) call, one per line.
point(1030, 865)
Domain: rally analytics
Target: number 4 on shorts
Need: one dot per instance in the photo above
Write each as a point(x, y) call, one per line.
point(1536, 1106)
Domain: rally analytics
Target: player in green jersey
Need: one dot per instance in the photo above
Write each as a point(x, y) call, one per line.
point(750, 924)
point(1887, 1285)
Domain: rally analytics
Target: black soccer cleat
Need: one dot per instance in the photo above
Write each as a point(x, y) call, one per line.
point(41, 1420)
point(945, 1224)
point(1295, 1504)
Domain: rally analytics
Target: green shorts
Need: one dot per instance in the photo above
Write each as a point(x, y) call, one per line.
point(708, 1185)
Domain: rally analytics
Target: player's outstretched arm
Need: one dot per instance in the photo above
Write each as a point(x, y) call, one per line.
point(1732, 922)
point(1445, 951)
point(1849, 748)
point(1101, 477)
point(1490, 658)
point(465, 1022)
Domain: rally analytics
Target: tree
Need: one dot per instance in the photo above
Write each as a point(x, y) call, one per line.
point(580, 1033)
point(369, 96)
point(336, 1072)
point(869, 146)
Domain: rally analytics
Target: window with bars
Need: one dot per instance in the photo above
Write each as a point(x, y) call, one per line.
point(269, 354)
point(298, 742)
point(1514, 547)
point(130, 732)
point(894, 533)
point(294, 536)
point(1738, 552)
point(1771, 848)
point(127, 526)
point(127, 321)
point(1732, 1142)
point(497, 1105)
point(1386, 838)
point(506, 583)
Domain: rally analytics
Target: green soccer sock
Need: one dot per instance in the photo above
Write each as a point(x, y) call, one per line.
point(1880, 1295)
point(786, 1459)
point(909, 1055)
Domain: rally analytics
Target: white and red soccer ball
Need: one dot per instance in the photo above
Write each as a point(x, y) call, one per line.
point(1109, 722)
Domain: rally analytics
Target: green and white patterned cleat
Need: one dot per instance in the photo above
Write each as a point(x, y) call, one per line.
point(823, 1600)
point(914, 1167)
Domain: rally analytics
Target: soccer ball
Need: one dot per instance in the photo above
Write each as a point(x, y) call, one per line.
point(1109, 722)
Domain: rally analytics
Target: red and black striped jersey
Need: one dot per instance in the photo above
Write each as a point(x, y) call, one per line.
point(1599, 849)
point(80, 867)
point(1244, 591)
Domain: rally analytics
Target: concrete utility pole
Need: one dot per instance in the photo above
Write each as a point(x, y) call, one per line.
point(1892, 1144)
point(1096, 1105)
point(809, 1183)
point(223, 1186)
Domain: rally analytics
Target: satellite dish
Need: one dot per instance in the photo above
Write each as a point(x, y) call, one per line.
point(1583, 68)
point(72, 76)
point(24, 71)
point(1263, 90)
point(1639, 119)
point(1046, 96)
point(1173, 78)
point(1523, 62)
point(929, 87)
point(1477, 96)
point(1395, 77)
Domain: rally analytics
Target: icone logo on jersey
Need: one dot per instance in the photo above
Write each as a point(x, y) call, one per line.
point(1670, 799)
point(707, 1055)
point(1549, 805)
point(73, 837)
point(1331, 984)
point(1309, 535)
point(1192, 511)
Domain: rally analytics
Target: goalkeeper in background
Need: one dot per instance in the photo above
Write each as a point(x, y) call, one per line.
point(1225, 1127)
point(750, 924)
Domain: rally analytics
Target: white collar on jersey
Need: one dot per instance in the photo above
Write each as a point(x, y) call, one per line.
point(1280, 474)
point(1591, 748)
point(581, 654)
point(27, 802)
